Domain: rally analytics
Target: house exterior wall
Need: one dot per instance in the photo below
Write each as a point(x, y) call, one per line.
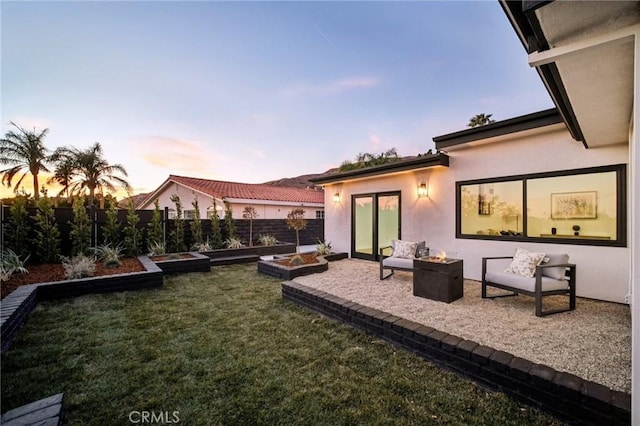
point(265, 210)
point(602, 272)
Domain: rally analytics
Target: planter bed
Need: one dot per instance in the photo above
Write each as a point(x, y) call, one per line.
point(285, 272)
point(188, 262)
point(282, 248)
point(17, 305)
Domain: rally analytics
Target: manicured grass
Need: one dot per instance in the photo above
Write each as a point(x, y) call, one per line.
point(224, 348)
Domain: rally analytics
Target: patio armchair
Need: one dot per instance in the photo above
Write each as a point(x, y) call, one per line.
point(398, 261)
point(555, 276)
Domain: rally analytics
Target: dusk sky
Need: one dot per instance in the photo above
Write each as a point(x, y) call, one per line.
point(252, 92)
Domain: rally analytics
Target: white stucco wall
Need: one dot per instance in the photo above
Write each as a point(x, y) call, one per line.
point(602, 272)
point(273, 210)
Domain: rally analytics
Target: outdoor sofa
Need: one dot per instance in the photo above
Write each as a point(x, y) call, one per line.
point(402, 255)
point(553, 276)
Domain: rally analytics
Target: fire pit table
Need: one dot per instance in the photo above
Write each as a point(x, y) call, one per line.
point(438, 278)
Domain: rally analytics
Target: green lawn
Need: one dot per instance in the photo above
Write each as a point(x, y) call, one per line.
point(224, 348)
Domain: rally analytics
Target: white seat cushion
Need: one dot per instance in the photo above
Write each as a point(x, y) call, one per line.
point(523, 283)
point(398, 262)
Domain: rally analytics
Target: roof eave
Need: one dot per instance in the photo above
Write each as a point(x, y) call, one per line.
point(439, 159)
point(499, 128)
point(525, 23)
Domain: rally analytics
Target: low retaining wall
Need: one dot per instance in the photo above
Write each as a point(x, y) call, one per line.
point(17, 306)
point(282, 248)
point(196, 263)
point(284, 272)
point(559, 393)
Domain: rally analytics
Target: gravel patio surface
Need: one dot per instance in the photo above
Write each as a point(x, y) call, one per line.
point(592, 342)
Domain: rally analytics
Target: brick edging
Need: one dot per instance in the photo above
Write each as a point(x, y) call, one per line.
point(563, 394)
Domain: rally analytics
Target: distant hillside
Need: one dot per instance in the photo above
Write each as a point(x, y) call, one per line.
point(303, 181)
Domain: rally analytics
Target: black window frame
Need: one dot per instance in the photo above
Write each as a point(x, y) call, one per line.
point(621, 207)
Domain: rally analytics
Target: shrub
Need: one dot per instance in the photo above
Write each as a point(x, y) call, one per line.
point(10, 263)
point(196, 223)
point(323, 248)
point(156, 248)
point(233, 243)
point(17, 229)
point(177, 234)
point(111, 227)
point(154, 232)
point(267, 240)
point(205, 246)
point(79, 266)
point(47, 234)
point(296, 260)
point(80, 228)
point(216, 233)
point(109, 255)
point(228, 221)
point(132, 235)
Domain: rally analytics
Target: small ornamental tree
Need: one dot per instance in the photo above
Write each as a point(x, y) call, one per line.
point(132, 235)
point(216, 233)
point(80, 228)
point(177, 234)
point(228, 221)
point(47, 234)
point(111, 228)
point(250, 213)
point(17, 228)
point(295, 220)
point(154, 232)
point(196, 224)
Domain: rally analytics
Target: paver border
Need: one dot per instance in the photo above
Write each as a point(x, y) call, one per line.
point(562, 394)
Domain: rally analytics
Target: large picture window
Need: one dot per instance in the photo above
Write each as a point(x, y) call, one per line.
point(585, 206)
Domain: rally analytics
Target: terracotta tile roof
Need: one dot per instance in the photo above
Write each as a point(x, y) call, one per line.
point(250, 191)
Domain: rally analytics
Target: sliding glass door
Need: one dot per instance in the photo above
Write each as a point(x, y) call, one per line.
point(375, 222)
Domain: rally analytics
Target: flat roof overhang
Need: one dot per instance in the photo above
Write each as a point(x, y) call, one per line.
point(500, 128)
point(422, 162)
point(583, 52)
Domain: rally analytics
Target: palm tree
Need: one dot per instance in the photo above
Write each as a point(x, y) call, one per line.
point(480, 120)
point(23, 149)
point(63, 174)
point(90, 171)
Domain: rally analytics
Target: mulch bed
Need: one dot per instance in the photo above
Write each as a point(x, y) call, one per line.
point(308, 259)
point(55, 272)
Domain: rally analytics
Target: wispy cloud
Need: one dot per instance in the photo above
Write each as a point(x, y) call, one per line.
point(335, 87)
point(178, 155)
point(375, 142)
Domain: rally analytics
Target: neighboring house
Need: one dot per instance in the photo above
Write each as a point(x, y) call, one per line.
point(269, 201)
point(530, 180)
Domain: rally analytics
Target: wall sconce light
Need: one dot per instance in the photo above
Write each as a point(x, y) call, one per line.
point(336, 197)
point(423, 191)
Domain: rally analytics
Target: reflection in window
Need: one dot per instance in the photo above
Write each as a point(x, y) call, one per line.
point(492, 208)
point(578, 206)
point(573, 205)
